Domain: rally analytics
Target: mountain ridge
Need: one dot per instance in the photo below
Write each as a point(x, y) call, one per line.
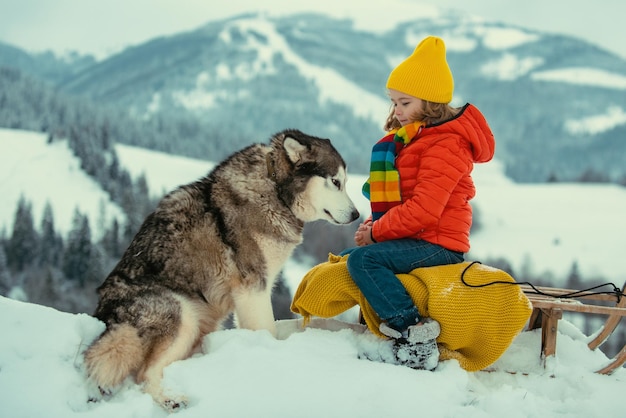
point(248, 76)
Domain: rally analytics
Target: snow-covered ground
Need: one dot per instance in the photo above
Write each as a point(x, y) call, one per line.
point(546, 227)
point(48, 173)
point(315, 374)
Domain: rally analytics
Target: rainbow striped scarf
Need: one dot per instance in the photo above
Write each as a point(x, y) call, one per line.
point(383, 186)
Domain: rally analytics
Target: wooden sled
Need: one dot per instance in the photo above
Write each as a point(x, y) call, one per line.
point(547, 310)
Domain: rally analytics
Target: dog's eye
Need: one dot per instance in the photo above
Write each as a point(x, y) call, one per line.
point(337, 184)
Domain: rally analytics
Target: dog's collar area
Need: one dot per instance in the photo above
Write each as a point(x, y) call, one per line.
point(271, 169)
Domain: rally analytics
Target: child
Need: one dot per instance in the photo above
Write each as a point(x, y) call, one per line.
point(419, 188)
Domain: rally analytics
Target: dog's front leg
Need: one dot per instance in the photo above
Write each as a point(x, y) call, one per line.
point(253, 310)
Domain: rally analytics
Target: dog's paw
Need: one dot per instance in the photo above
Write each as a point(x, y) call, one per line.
point(98, 393)
point(174, 403)
point(105, 392)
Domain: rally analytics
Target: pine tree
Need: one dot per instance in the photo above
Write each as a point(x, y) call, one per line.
point(96, 270)
point(51, 243)
point(142, 193)
point(132, 204)
point(78, 250)
point(5, 275)
point(574, 280)
point(111, 240)
point(23, 244)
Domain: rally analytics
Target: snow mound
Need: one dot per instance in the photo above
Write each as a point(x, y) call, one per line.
point(311, 373)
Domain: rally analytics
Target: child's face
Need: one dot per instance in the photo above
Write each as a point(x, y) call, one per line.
point(405, 106)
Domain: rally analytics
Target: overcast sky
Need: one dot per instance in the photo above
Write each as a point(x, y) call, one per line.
point(106, 26)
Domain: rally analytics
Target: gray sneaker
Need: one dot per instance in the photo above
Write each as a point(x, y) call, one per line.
point(420, 333)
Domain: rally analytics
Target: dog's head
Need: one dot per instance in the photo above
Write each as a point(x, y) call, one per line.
point(313, 183)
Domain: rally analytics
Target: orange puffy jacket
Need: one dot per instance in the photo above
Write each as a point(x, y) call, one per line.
point(435, 182)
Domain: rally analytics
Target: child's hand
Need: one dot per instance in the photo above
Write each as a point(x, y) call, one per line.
point(363, 235)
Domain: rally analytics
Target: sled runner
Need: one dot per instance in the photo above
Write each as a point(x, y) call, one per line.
point(549, 304)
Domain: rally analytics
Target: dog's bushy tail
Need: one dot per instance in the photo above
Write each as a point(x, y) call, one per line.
point(116, 354)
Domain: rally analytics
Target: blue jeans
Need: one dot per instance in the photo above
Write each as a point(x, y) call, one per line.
point(374, 267)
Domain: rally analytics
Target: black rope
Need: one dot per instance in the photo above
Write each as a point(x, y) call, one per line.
point(617, 292)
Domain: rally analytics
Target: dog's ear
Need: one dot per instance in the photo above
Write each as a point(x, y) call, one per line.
point(295, 150)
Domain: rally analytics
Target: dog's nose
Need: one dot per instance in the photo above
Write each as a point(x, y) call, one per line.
point(354, 215)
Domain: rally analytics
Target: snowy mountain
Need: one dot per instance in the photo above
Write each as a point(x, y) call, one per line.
point(45, 65)
point(556, 104)
point(542, 228)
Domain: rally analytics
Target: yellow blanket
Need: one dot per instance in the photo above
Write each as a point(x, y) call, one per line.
point(477, 324)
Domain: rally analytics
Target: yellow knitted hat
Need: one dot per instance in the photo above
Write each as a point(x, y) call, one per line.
point(425, 74)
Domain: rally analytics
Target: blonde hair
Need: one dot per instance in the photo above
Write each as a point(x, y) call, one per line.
point(431, 113)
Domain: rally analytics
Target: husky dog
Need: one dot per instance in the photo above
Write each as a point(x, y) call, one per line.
point(211, 248)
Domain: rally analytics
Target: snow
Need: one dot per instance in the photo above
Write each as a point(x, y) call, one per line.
point(206, 96)
point(314, 373)
point(328, 81)
point(474, 31)
point(503, 38)
point(583, 76)
point(48, 173)
point(163, 171)
point(547, 227)
point(595, 124)
point(510, 67)
point(463, 38)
